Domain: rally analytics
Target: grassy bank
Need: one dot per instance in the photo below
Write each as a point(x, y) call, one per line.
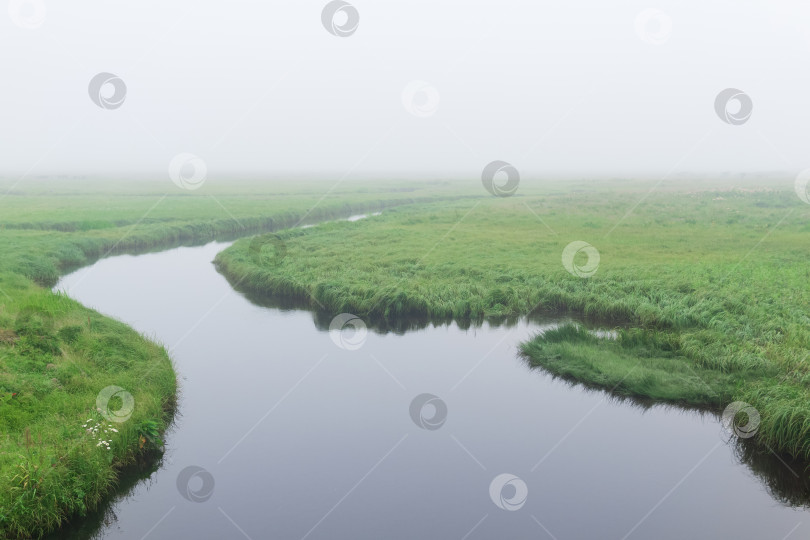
point(57, 357)
point(708, 286)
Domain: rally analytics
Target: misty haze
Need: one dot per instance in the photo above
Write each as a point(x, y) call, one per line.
point(341, 269)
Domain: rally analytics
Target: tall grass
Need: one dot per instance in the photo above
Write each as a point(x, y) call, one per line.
point(710, 295)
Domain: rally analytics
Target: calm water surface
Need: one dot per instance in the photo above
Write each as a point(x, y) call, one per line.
point(304, 439)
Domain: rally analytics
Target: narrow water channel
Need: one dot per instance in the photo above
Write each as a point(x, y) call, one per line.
point(299, 435)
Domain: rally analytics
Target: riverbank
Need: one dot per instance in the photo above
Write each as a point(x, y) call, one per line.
point(82, 395)
point(696, 280)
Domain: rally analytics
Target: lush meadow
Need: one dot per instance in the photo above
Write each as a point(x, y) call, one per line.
point(706, 286)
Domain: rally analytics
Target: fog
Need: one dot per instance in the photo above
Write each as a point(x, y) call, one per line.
point(418, 89)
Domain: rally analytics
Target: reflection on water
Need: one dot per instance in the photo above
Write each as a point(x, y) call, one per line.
point(399, 326)
point(138, 474)
point(305, 438)
point(786, 479)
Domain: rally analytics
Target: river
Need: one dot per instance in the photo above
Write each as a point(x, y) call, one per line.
point(294, 434)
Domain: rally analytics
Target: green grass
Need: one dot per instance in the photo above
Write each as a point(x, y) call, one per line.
point(56, 355)
point(708, 288)
point(56, 358)
point(638, 364)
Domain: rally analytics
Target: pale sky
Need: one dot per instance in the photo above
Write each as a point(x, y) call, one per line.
point(420, 89)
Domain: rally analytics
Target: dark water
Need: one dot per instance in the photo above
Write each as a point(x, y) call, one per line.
point(305, 439)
